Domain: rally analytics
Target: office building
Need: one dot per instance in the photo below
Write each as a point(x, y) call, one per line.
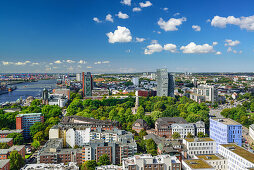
point(199, 146)
point(78, 77)
point(196, 164)
point(165, 83)
point(147, 162)
point(87, 84)
point(4, 133)
point(206, 93)
point(251, 131)
point(5, 164)
point(216, 160)
point(224, 131)
point(25, 121)
point(238, 158)
point(135, 81)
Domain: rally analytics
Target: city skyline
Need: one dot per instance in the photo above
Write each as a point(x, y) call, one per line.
point(126, 36)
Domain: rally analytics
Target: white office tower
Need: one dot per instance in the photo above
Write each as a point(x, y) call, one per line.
point(135, 81)
point(78, 76)
point(165, 83)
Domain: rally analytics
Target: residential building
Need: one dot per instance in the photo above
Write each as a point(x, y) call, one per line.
point(251, 131)
point(139, 125)
point(5, 164)
point(163, 125)
point(238, 158)
point(62, 92)
point(146, 162)
point(4, 153)
point(109, 167)
point(87, 84)
point(100, 92)
point(135, 81)
point(196, 164)
point(199, 146)
point(165, 83)
point(25, 121)
point(78, 77)
point(216, 160)
point(209, 93)
point(224, 130)
point(43, 166)
point(8, 141)
point(4, 133)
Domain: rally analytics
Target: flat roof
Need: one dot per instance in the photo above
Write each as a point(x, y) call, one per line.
point(198, 139)
point(240, 151)
point(3, 162)
point(209, 157)
point(226, 121)
point(5, 140)
point(28, 114)
point(11, 131)
point(197, 163)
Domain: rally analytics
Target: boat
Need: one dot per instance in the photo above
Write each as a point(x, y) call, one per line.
point(10, 89)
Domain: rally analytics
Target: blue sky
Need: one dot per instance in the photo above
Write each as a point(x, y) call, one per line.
point(75, 36)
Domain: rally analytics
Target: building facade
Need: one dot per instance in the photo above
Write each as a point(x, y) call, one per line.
point(25, 121)
point(196, 164)
point(5, 164)
point(224, 131)
point(205, 93)
point(87, 84)
point(216, 160)
point(192, 128)
point(4, 133)
point(165, 83)
point(251, 131)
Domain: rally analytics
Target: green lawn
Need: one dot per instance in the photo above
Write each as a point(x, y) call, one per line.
point(27, 156)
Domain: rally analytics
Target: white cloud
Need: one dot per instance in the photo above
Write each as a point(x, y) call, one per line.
point(193, 48)
point(106, 62)
point(218, 53)
point(96, 19)
point(240, 52)
point(165, 9)
point(232, 43)
point(170, 47)
point(101, 62)
point(122, 34)
point(234, 51)
point(109, 18)
point(154, 42)
point(7, 63)
point(229, 49)
point(243, 22)
point(146, 4)
point(196, 28)
point(58, 62)
point(176, 14)
point(150, 49)
point(126, 2)
point(158, 32)
point(140, 39)
point(82, 62)
point(122, 15)
point(34, 64)
point(22, 63)
point(171, 24)
point(136, 9)
point(215, 43)
point(89, 67)
point(70, 61)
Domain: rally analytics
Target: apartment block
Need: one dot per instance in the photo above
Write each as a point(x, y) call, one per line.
point(4, 153)
point(25, 121)
point(5, 164)
point(238, 158)
point(224, 131)
point(4, 133)
point(205, 93)
point(8, 141)
point(199, 146)
point(184, 129)
point(251, 131)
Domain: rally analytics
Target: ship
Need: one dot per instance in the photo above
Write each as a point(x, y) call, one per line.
point(11, 88)
point(3, 89)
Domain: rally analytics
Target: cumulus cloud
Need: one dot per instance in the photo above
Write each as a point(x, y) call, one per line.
point(155, 47)
point(193, 48)
point(196, 28)
point(232, 43)
point(122, 34)
point(176, 14)
point(33, 64)
point(7, 63)
point(122, 15)
point(146, 4)
point(97, 62)
point(170, 47)
point(22, 63)
point(102, 62)
point(82, 62)
point(140, 39)
point(171, 24)
point(105, 62)
point(96, 19)
point(229, 49)
point(58, 62)
point(215, 43)
point(126, 2)
point(243, 22)
point(218, 53)
point(109, 18)
point(136, 9)
point(70, 61)
point(165, 9)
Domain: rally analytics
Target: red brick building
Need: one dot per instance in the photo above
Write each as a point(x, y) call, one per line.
point(5, 164)
point(4, 153)
point(4, 133)
point(8, 141)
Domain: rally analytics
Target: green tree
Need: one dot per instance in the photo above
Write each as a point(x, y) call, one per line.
point(36, 144)
point(16, 160)
point(189, 135)
point(142, 133)
point(39, 136)
point(89, 165)
point(176, 135)
point(38, 126)
point(201, 134)
point(104, 160)
point(17, 138)
point(151, 147)
point(4, 146)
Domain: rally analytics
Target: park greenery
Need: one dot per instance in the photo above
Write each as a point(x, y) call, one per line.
point(16, 160)
point(91, 164)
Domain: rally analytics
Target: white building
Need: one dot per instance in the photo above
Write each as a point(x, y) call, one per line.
point(216, 160)
point(135, 81)
point(196, 164)
point(43, 166)
point(209, 92)
point(109, 167)
point(58, 99)
point(251, 131)
point(199, 146)
point(238, 157)
point(77, 137)
point(78, 77)
point(146, 161)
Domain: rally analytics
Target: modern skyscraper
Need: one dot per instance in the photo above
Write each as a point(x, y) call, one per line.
point(165, 83)
point(87, 82)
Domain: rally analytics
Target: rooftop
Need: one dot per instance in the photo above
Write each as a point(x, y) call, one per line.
point(4, 162)
point(28, 114)
point(70, 166)
point(197, 163)
point(5, 140)
point(11, 131)
point(226, 121)
point(198, 139)
point(210, 157)
point(240, 151)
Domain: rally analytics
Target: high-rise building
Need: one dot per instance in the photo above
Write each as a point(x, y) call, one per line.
point(25, 121)
point(135, 81)
point(208, 93)
point(78, 76)
point(87, 84)
point(165, 83)
point(224, 131)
